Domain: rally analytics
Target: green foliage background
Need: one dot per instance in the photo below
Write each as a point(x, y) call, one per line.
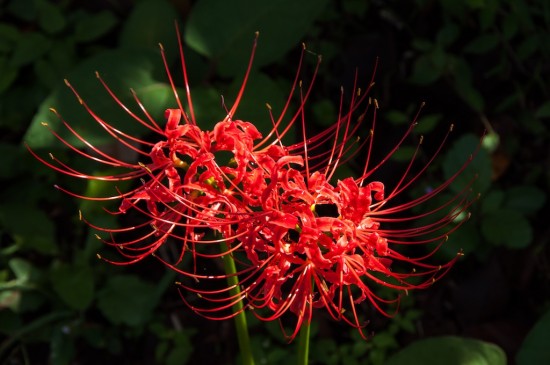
point(482, 65)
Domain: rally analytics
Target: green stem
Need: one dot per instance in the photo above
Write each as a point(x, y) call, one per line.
point(240, 319)
point(303, 343)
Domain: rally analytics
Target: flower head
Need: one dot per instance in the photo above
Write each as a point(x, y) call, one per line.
point(301, 239)
point(318, 243)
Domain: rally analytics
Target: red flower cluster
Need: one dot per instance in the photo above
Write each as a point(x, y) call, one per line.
point(299, 240)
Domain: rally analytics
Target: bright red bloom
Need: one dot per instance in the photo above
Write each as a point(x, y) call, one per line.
point(300, 257)
point(300, 239)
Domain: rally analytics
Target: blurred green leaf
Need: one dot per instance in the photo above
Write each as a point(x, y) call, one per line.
point(471, 96)
point(508, 228)
point(459, 154)
point(404, 153)
point(9, 321)
point(8, 74)
point(151, 22)
point(475, 4)
point(426, 123)
point(509, 27)
point(324, 112)
point(23, 9)
point(21, 268)
point(527, 47)
point(211, 30)
point(40, 238)
point(62, 56)
point(183, 348)
point(9, 33)
point(448, 34)
point(423, 45)
point(535, 349)
point(385, 340)
point(521, 12)
point(449, 350)
point(482, 44)
point(29, 48)
point(126, 299)
point(526, 199)
point(466, 239)
point(487, 11)
point(50, 17)
point(94, 26)
point(62, 348)
point(74, 284)
point(492, 201)
point(397, 117)
point(46, 73)
point(543, 111)
point(121, 70)
point(355, 7)
point(425, 71)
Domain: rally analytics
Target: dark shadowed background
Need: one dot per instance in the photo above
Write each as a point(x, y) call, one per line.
point(482, 65)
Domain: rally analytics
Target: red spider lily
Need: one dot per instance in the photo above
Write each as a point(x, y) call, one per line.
point(180, 189)
point(264, 208)
point(297, 258)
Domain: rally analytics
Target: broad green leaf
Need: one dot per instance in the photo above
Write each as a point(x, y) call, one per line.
point(525, 199)
point(151, 22)
point(224, 30)
point(126, 299)
point(121, 70)
point(29, 48)
point(50, 17)
point(40, 237)
point(508, 228)
point(479, 168)
point(22, 269)
point(449, 350)
point(492, 201)
point(397, 117)
point(63, 56)
point(535, 349)
point(426, 123)
point(9, 33)
point(466, 239)
point(404, 153)
point(93, 26)
point(471, 96)
point(424, 70)
point(74, 284)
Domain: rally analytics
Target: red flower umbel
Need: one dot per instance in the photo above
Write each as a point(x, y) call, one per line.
point(317, 244)
point(300, 238)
